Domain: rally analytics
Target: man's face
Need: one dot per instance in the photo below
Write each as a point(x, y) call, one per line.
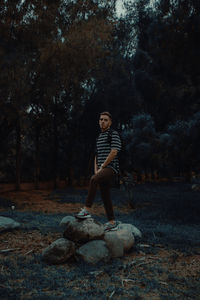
point(104, 122)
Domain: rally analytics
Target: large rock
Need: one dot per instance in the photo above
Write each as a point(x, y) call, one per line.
point(82, 230)
point(125, 236)
point(114, 244)
point(94, 252)
point(59, 251)
point(8, 224)
point(129, 227)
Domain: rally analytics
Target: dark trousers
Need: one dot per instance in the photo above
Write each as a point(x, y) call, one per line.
point(103, 179)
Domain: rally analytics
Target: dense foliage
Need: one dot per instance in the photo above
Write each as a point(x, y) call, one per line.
point(63, 62)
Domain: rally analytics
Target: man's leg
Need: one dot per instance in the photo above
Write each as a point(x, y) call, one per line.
point(111, 225)
point(105, 194)
point(101, 178)
point(86, 210)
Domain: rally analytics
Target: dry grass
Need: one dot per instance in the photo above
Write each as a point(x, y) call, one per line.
point(152, 270)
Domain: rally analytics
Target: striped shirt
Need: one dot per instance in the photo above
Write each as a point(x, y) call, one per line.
point(105, 143)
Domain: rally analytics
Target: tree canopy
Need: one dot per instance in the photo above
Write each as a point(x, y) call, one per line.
point(63, 62)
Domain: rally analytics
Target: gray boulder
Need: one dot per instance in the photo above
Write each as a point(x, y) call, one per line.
point(129, 227)
point(8, 224)
point(66, 220)
point(82, 230)
point(114, 244)
point(125, 236)
point(94, 252)
point(59, 251)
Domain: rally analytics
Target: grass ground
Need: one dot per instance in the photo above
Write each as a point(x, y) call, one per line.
point(164, 264)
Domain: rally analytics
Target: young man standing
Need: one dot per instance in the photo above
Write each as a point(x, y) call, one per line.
point(106, 166)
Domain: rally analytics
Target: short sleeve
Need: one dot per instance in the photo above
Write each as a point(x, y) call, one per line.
point(115, 141)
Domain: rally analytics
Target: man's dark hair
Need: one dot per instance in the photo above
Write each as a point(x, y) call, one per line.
point(107, 114)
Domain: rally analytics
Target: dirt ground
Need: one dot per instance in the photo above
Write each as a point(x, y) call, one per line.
point(169, 267)
point(39, 201)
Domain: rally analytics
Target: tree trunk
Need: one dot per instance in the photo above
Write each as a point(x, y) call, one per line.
point(188, 175)
point(18, 155)
point(70, 175)
point(55, 150)
point(37, 158)
point(146, 175)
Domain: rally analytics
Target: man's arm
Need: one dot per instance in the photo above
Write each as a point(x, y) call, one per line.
point(109, 158)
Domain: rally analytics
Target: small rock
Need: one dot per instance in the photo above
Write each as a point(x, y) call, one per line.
point(82, 230)
point(59, 251)
point(67, 220)
point(96, 273)
point(196, 187)
point(8, 224)
point(94, 252)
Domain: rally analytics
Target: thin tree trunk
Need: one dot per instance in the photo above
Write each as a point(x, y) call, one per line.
point(146, 175)
point(188, 175)
point(71, 176)
point(18, 154)
point(152, 175)
point(37, 159)
point(55, 151)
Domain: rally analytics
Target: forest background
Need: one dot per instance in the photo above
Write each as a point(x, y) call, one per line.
point(63, 62)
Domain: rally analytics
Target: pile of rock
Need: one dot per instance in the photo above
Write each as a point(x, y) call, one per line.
point(87, 241)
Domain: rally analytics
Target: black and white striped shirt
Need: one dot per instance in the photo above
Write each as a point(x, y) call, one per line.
point(106, 141)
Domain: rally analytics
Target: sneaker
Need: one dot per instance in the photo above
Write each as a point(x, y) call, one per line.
point(111, 227)
point(83, 214)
